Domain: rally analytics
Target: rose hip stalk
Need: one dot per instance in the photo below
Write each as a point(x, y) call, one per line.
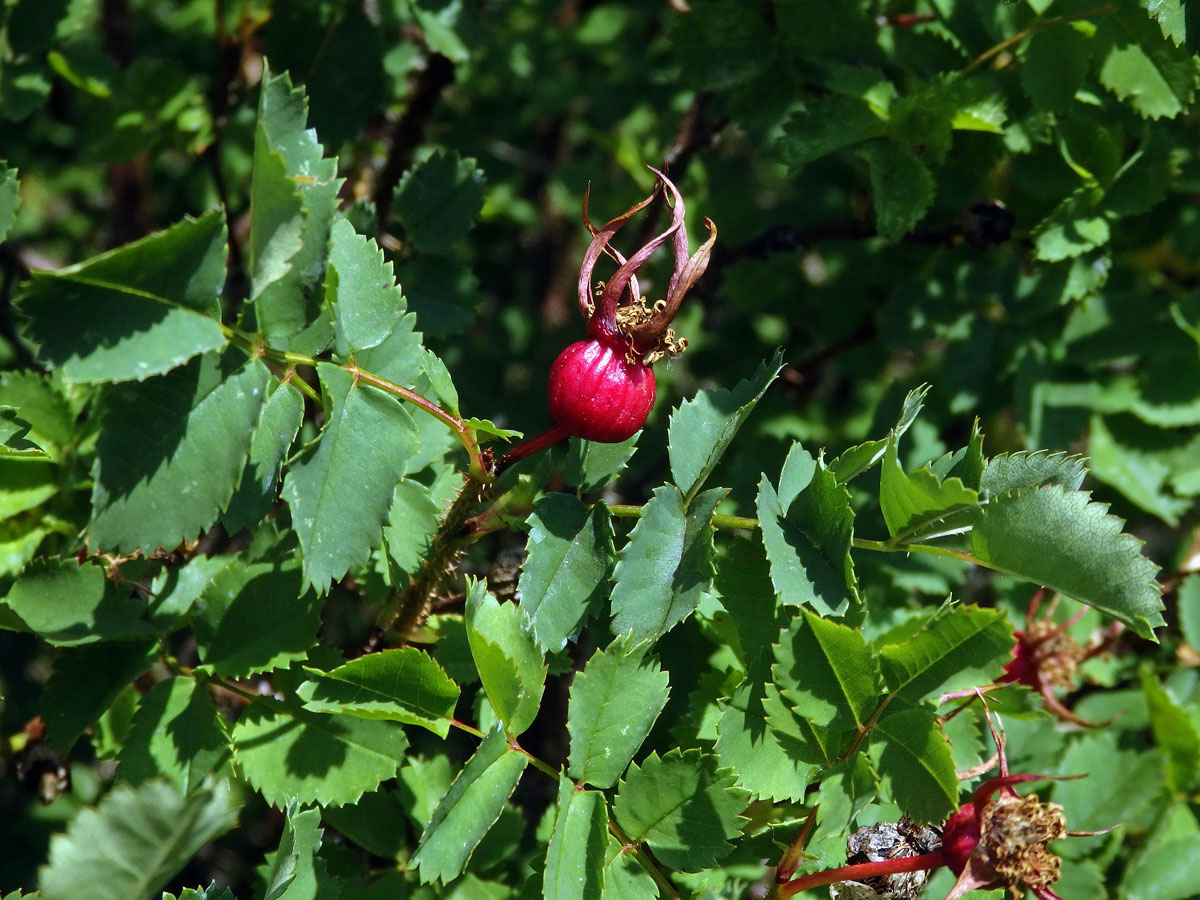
point(602, 388)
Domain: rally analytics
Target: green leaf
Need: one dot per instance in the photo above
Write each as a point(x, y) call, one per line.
point(914, 762)
point(1188, 601)
point(827, 672)
point(1057, 538)
point(1123, 785)
point(212, 892)
point(438, 200)
point(10, 198)
point(279, 421)
point(359, 285)
point(377, 822)
point(163, 485)
point(14, 441)
point(702, 428)
point(68, 604)
point(1167, 864)
point(293, 198)
point(176, 733)
point(764, 762)
point(1076, 226)
point(468, 810)
point(1011, 471)
point(827, 124)
point(901, 187)
point(917, 505)
point(1175, 731)
point(858, 459)
point(403, 685)
point(255, 617)
point(177, 588)
point(506, 654)
point(565, 574)
point(624, 876)
point(615, 700)
point(134, 841)
point(576, 855)
point(753, 614)
point(1138, 474)
point(412, 523)
point(340, 490)
point(683, 805)
point(808, 538)
point(287, 752)
point(1055, 65)
point(956, 648)
point(292, 871)
point(136, 311)
point(84, 684)
point(592, 466)
point(666, 567)
point(1152, 75)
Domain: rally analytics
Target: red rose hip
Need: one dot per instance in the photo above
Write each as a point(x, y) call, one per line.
point(597, 394)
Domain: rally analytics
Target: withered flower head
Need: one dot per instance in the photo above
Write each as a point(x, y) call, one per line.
point(620, 311)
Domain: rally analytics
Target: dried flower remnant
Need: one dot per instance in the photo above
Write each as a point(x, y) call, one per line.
point(998, 839)
point(1046, 658)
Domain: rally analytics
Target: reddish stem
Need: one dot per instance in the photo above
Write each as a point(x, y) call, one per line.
point(859, 871)
point(547, 438)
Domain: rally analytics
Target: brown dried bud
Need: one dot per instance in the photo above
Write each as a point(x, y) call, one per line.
point(1014, 833)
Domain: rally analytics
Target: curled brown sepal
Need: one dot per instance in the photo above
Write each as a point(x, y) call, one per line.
point(598, 247)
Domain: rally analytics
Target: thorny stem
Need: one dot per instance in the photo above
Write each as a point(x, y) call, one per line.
point(412, 604)
point(547, 438)
point(859, 871)
point(999, 48)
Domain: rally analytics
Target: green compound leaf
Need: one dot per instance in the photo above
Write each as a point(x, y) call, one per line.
point(162, 485)
point(666, 567)
point(702, 428)
point(341, 489)
point(827, 672)
point(468, 810)
point(255, 617)
point(576, 855)
point(85, 682)
point(176, 733)
point(1076, 226)
point(293, 197)
point(958, 647)
point(404, 685)
point(1155, 77)
point(565, 574)
point(128, 846)
point(914, 762)
point(1057, 538)
point(10, 198)
point(683, 805)
point(1175, 731)
point(917, 504)
point(901, 186)
point(1167, 865)
point(507, 657)
point(67, 604)
point(808, 537)
point(438, 200)
point(827, 124)
point(292, 871)
point(136, 311)
point(1011, 471)
point(615, 700)
point(278, 423)
point(361, 289)
point(286, 752)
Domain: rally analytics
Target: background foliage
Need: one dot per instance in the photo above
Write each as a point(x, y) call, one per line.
point(250, 244)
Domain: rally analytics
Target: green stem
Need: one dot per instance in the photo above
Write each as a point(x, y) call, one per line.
point(664, 884)
point(999, 48)
point(630, 511)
